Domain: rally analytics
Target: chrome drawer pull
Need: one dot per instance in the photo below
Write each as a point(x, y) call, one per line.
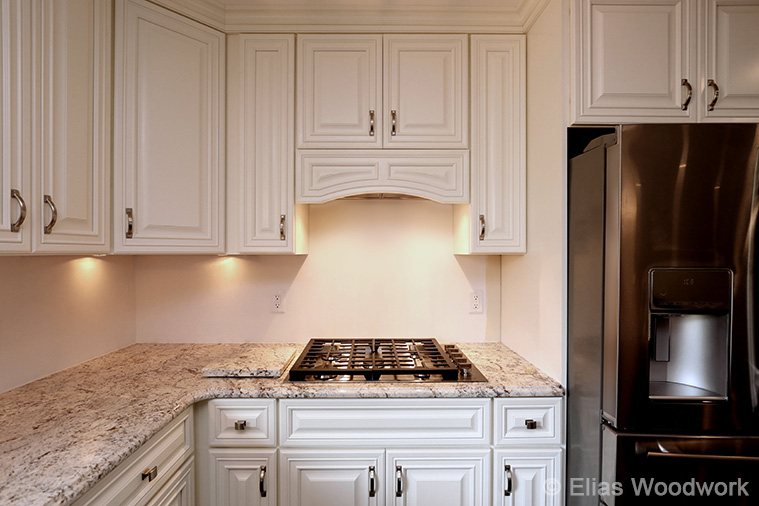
point(398, 481)
point(714, 86)
point(53, 216)
point(482, 227)
point(393, 116)
point(530, 424)
point(371, 123)
point(507, 491)
point(687, 85)
point(262, 481)
point(15, 227)
point(130, 223)
point(150, 474)
point(241, 424)
point(372, 482)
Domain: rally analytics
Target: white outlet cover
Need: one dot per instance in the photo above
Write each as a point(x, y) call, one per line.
point(476, 302)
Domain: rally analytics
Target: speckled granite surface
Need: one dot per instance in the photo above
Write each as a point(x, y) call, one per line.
point(61, 434)
point(252, 360)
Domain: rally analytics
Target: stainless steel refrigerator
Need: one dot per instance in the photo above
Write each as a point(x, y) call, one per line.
point(663, 353)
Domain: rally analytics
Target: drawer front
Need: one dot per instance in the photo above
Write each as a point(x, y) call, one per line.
point(385, 422)
point(515, 417)
point(242, 422)
point(166, 451)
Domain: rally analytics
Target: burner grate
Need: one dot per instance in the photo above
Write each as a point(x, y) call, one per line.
point(374, 358)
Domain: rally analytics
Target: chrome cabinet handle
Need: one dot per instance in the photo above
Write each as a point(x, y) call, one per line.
point(241, 424)
point(15, 227)
point(530, 424)
point(688, 87)
point(398, 481)
point(394, 117)
point(715, 97)
point(53, 216)
point(482, 227)
point(507, 489)
point(371, 123)
point(262, 481)
point(130, 223)
point(150, 474)
point(282, 219)
point(372, 482)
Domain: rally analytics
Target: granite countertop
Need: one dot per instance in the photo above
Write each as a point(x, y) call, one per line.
point(61, 434)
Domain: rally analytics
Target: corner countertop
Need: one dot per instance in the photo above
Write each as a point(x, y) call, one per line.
point(61, 434)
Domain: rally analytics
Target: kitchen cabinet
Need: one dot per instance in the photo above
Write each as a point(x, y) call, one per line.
point(524, 477)
point(654, 61)
point(169, 89)
point(179, 491)
point(262, 216)
point(495, 221)
point(392, 91)
point(244, 477)
point(56, 127)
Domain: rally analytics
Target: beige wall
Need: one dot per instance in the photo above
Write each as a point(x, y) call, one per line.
point(374, 268)
point(532, 288)
point(56, 312)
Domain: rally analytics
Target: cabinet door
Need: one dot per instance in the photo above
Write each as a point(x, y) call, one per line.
point(732, 60)
point(495, 221)
point(15, 84)
point(73, 129)
point(528, 477)
point(243, 477)
point(331, 478)
point(179, 491)
point(168, 132)
point(340, 91)
point(438, 477)
point(426, 92)
point(262, 216)
point(632, 60)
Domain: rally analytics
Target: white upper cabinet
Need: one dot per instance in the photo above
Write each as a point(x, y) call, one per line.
point(495, 220)
point(168, 132)
point(658, 61)
point(261, 213)
point(73, 129)
point(732, 60)
point(340, 91)
point(426, 91)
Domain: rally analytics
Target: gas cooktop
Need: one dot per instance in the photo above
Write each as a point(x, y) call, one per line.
point(383, 359)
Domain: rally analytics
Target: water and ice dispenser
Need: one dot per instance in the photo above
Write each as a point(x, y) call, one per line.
point(689, 343)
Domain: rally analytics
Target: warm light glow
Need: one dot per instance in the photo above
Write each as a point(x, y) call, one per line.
point(87, 271)
point(227, 267)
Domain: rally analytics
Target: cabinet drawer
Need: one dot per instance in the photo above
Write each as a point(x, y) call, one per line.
point(513, 416)
point(384, 422)
point(165, 452)
point(242, 422)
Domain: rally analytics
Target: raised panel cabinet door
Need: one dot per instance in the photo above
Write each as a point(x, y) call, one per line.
point(340, 91)
point(731, 83)
point(15, 86)
point(495, 222)
point(169, 84)
point(261, 213)
point(73, 126)
point(426, 91)
point(331, 478)
point(636, 61)
point(438, 477)
point(180, 490)
point(242, 477)
point(528, 477)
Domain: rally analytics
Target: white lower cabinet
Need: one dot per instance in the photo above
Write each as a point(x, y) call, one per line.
point(527, 477)
point(332, 478)
point(244, 477)
point(180, 490)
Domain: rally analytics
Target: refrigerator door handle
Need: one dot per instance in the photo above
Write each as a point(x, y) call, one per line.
point(695, 456)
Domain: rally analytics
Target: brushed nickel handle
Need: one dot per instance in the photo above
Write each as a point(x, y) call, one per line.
point(130, 223)
point(530, 424)
point(398, 481)
point(715, 97)
point(688, 87)
point(53, 216)
point(15, 227)
point(372, 482)
point(150, 474)
point(282, 235)
point(241, 424)
point(262, 481)
point(482, 227)
point(394, 117)
point(371, 123)
point(507, 489)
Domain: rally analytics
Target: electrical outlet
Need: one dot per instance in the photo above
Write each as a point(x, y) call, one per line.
point(476, 301)
point(278, 302)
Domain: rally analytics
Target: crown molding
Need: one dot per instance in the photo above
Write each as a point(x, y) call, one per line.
point(268, 17)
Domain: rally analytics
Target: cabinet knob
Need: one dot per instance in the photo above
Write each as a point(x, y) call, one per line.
point(150, 474)
point(241, 424)
point(531, 424)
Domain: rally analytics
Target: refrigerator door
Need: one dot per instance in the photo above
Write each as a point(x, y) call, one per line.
point(686, 202)
point(674, 470)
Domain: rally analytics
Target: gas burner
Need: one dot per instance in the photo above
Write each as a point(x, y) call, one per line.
point(400, 359)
